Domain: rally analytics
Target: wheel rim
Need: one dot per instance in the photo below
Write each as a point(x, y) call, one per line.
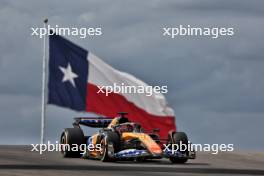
point(103, 148)
point(64, 143)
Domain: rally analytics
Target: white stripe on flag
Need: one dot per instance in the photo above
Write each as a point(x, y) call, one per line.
point(102, 74)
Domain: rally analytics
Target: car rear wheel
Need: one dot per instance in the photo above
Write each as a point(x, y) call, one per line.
point(71, 140)
point(177, 138)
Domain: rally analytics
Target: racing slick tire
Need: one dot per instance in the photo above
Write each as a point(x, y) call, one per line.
point(72, 137)
point(110, 144)
point(177, 138)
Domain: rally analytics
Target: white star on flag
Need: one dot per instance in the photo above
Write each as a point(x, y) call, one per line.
point(69, 75)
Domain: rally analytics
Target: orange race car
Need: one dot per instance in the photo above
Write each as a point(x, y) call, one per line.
point(120, 139)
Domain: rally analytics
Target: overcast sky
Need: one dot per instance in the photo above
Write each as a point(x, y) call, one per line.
point(215, 85)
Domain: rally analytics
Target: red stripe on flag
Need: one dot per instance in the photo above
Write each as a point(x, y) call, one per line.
point(113, 103)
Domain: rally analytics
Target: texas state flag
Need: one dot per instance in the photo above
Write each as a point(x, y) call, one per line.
point(76, 73)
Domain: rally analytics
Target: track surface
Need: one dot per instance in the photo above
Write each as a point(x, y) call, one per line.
point(19, 160)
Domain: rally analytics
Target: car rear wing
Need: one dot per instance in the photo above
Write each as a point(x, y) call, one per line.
point(95, 122)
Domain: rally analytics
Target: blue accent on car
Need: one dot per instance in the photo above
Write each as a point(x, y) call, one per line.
point(130, 153)
point(96, 122)
point(171, 153)
point(89, 140)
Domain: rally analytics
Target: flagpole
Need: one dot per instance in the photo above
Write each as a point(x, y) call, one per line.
point(43, 103)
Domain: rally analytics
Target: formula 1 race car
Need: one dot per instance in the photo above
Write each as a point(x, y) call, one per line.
point(120, 139)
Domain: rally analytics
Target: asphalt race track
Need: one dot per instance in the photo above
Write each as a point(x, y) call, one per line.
point(19, 160)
